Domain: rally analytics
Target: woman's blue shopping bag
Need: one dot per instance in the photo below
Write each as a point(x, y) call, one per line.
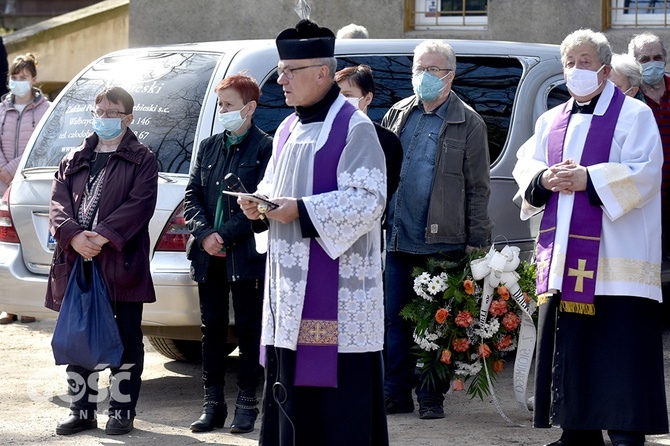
point(86, 333)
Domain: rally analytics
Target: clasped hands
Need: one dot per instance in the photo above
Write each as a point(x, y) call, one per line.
point(88, 244)
point(566, 176)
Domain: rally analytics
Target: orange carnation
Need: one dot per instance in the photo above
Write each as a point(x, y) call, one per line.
point(441, 315)
point(457, 385)
point(464, 319)
point(461, 344)
point(503, 292)
point(504, 343)
point(498, 366)
point(484, 351)
point(498, 307)
point(446, 356)
point(511, 321)
point(469, 286)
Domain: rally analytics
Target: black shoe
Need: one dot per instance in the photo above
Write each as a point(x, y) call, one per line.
point(246, 411)
point(118, 426)
point(430, 410)
point(214, 411)
point(74, 423)
point(398, 406)
point(572, 437)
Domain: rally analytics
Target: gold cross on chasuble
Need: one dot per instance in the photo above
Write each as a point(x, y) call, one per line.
point(317, 332)
point(581, 273)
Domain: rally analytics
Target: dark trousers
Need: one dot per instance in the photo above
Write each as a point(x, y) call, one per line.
point(126, 380)
point(400, 362)
point(351, 414)
point(248, 307)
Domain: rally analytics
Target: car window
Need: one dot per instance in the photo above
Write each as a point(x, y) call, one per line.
point(488, 84)
point(168, 89)
point(557, 95)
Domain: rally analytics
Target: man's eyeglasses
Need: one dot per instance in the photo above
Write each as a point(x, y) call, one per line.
point(97, 113)
point(435, 71)
point(289, 73)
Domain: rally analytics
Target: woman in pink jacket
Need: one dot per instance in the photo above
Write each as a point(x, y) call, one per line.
point(20, 111)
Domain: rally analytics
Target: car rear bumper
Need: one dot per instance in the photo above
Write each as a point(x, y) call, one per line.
point(177, 305)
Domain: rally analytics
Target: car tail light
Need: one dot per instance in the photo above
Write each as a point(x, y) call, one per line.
point(7, 231)
point(176, 233)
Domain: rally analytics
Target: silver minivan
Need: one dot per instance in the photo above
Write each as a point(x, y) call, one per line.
point(509, 84)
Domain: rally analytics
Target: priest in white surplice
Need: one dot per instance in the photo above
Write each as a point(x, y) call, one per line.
point(594, 167)
point(323, 315)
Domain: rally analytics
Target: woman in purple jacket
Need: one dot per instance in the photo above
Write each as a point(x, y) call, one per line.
point(103, 196)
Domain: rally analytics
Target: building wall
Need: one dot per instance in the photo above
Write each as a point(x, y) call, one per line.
point(166, 21)
point(64, 45)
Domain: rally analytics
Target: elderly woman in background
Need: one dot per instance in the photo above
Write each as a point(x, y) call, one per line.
point(627, 75)
point(102, 199)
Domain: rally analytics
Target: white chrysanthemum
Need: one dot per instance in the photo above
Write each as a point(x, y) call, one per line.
point(464, 369)
point(420, 283)
point(485, 330)
point(422, 278)
point(425, 342)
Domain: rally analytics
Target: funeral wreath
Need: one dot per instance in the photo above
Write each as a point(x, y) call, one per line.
point(468, 317)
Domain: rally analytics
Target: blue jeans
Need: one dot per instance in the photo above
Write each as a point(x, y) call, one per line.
point(400, 366)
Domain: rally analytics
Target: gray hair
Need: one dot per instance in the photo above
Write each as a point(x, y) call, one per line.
point(589, 37)
point(439, 47)
point(640, 40)
point(330, 62)
point(626, 65)
point(352, 31)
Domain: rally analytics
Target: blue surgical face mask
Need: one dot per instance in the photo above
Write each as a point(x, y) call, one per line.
point(107, 128)
point(19, 88)
point(428, 87)
point(652, 72)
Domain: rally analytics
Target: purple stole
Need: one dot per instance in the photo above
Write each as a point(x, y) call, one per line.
point(316, 353)
point(581, 263)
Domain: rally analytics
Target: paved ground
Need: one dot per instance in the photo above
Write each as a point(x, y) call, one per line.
point(32, 387)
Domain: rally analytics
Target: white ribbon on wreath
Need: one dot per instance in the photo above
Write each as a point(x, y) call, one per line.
point(499, 268)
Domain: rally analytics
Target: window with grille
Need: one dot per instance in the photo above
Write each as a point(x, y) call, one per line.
point(643, 13)
point(437, 14)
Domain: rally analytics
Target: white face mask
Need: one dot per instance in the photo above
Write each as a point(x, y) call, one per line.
point(232, 120)
point(355, 101)
point(582, 82)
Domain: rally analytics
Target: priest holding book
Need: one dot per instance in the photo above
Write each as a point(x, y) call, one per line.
point(323, 312)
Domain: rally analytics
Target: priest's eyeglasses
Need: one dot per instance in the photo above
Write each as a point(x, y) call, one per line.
point(98, 113)
point(289, 73)
point(435, 71)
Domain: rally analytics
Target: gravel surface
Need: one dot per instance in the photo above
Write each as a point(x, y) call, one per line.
point(33, 391)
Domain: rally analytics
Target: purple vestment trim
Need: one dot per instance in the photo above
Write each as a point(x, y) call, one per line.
point(581, 264)
point(283, 136)
point(316, 353)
